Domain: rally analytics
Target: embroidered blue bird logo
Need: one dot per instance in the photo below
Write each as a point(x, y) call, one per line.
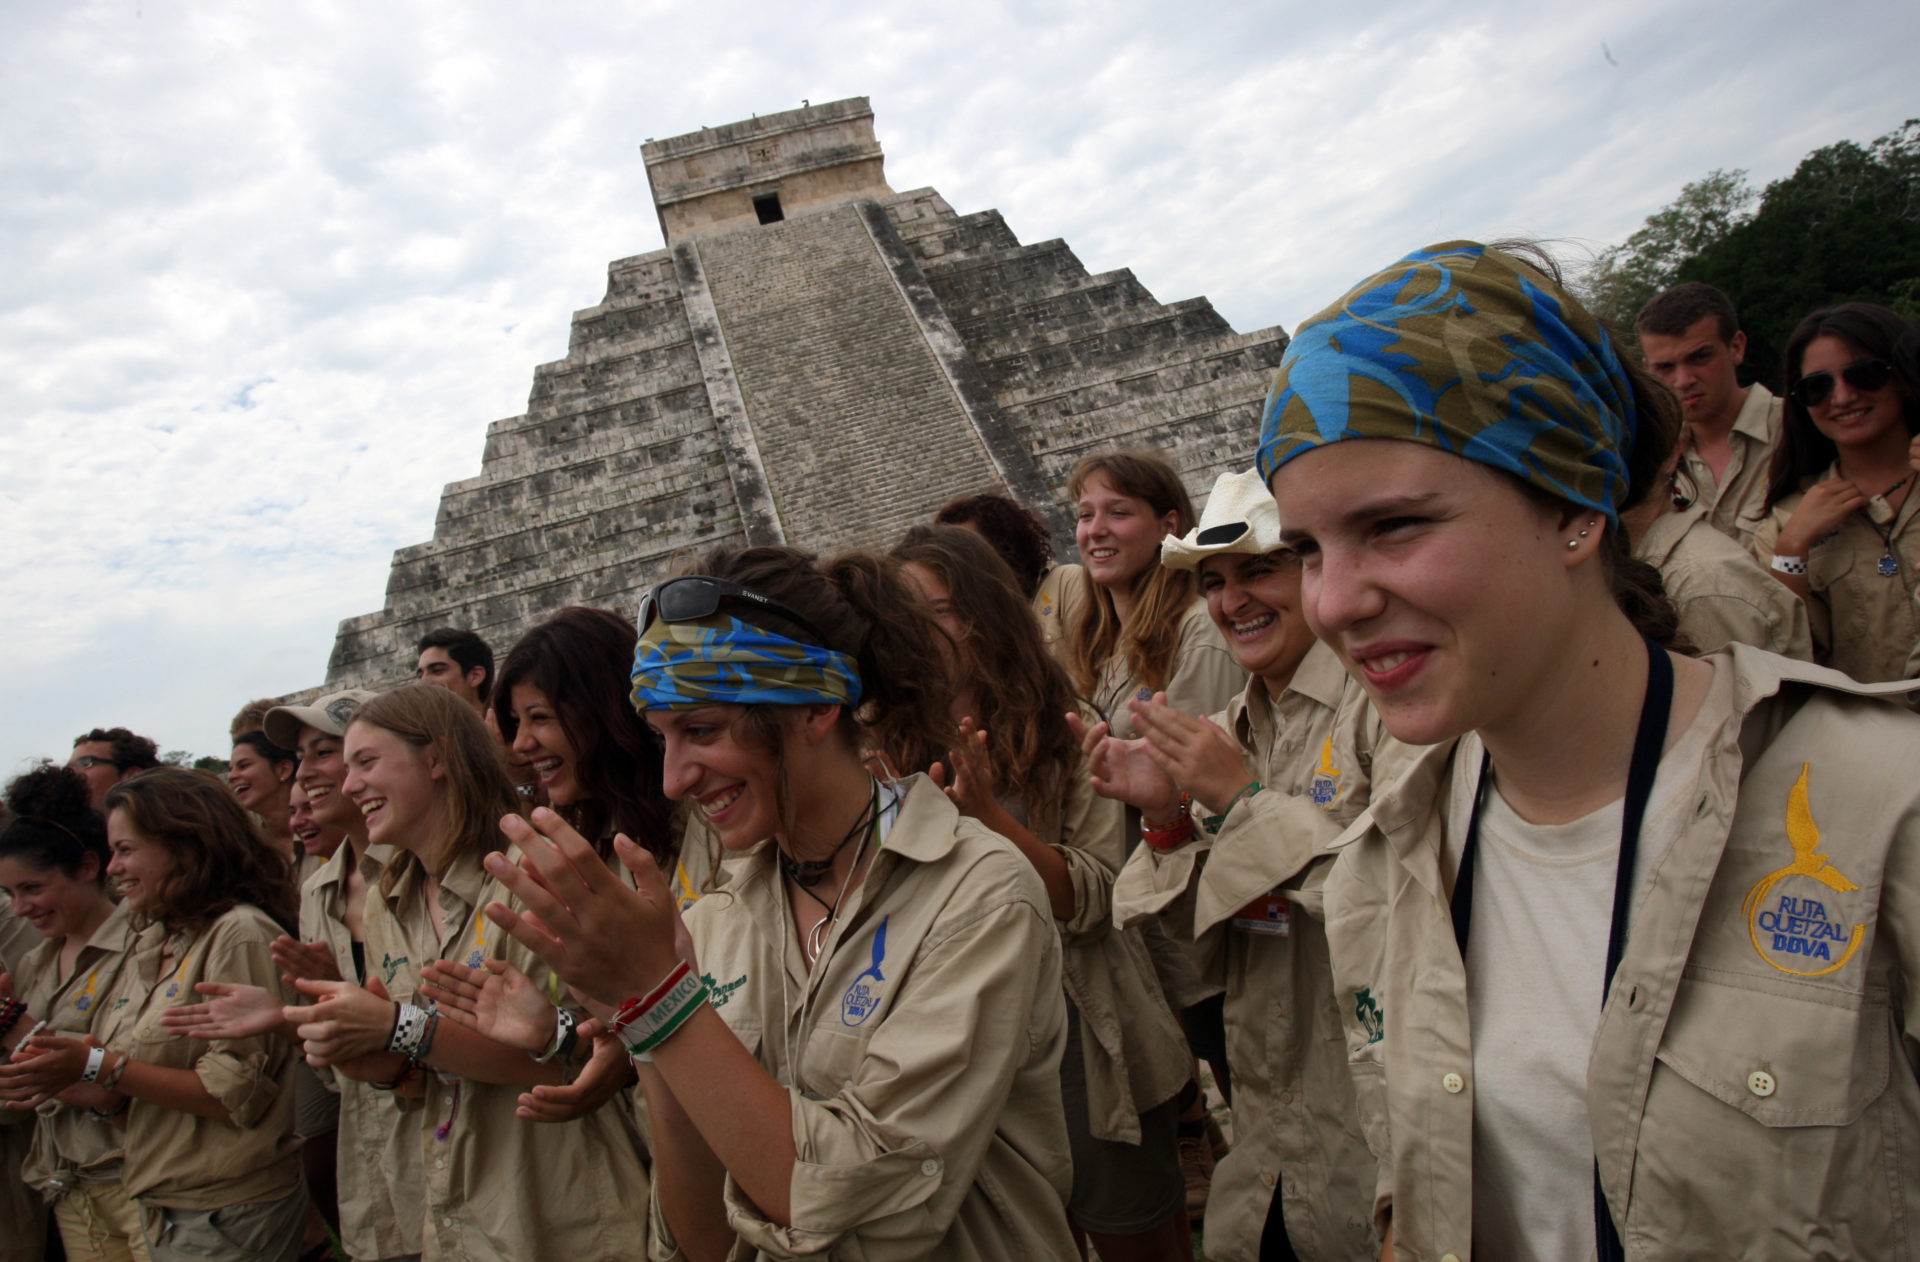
point(861, 999)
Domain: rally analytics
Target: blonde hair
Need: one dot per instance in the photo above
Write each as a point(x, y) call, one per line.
point(1161, 597)
point(478, 791)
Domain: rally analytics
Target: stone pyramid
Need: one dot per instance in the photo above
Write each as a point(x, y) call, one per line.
point(813, 359)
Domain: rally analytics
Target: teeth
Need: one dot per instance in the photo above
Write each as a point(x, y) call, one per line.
point(1101, 554)
point(546, 766)
point(371, 805)
point(1391, 661)
point(1253, 625)
point(721, 803)
point(319, 791)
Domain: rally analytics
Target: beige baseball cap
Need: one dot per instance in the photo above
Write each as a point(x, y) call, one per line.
point(1240, 517)
point(330, 714)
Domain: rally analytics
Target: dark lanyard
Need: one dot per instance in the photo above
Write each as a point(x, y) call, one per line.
point(1648, 742)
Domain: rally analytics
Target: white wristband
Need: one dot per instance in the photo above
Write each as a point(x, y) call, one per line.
point(96, 1056)
point(1787, 565)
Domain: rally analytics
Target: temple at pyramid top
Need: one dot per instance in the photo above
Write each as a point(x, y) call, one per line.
point(813, 359)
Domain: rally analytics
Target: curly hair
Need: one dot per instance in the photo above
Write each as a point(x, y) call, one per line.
point(220, 860)
point(1011, 528)
point(130, 752)
point(51, 823)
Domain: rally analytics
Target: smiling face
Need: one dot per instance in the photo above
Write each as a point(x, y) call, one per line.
point(437, 667)
point(1851, 417)
point(1119, 535)
point(322, 770)
point(396, 787)
point(1255, 601)
point(1445, 589)
point(54, 903)
point(313, 837)
point(140, 865)
point(1700, 366)
point(257, 782)
point(542, 740)
point(710, 762)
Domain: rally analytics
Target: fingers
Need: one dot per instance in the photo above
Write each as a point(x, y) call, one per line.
point(647, 877)
point(561, 858)
point(937, 773)
point(528, 882)
point(529, 934)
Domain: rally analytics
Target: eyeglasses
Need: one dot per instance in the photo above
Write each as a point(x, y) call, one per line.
point(696, 596)
point(1865, 375)
point(87, 762)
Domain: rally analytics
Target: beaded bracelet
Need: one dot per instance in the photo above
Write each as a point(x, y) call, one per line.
point(11, 1010)
point(112, 1079)
point(645, 1022)
point(1172, 835)
point(420, 1052)
point(1212, 822)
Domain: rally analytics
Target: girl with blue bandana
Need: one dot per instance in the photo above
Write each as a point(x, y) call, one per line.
point(852, 1047)
point(1625, 957)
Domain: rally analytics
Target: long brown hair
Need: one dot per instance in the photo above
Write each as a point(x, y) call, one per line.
point(477, 791)
point(581, 658)
point(1025, 694)
point(1162, 596)
point(1876, 332)
point(220, 860)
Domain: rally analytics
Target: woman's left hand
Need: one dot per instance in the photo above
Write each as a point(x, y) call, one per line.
point(497, 1000)
point(346, 1021)
point(1200, 756)
point(607, 1070)
point(968, 778)
point(603, 939)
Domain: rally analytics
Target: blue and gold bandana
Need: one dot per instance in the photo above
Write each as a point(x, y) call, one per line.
point(1469, 350)
point(722, 660)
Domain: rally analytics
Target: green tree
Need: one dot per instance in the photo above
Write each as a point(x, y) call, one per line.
point(1844, 226)
point(1625, 277)
point(207, 762)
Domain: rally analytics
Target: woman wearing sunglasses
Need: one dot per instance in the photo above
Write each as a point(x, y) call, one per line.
point(1629, 961)
point(1840, 529)
point(852, 1048)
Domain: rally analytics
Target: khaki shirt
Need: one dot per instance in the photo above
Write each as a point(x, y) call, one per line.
point(1132, 1049)
point(1059, 604)
point(1249, 896)
point(1735, 506)
point(1206, 676)
point(177, 1160)
point(498, 1189)
point(76, 1144)
point(1723, 596)
point(921, 1052)
point(1861, 596)
point(1752, 1088)
point(380, 1180)
point(18, 938)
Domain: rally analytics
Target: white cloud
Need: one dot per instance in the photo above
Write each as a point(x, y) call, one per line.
point(271, 271)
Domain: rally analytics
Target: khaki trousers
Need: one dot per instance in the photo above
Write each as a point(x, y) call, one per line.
point(262, 1231)
point(100, 1223)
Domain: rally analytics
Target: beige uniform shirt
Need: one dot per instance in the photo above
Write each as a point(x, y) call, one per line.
point(176, 1160)
point(75, 1144)
point(381, 1185)
point(1133, 1050)
point(17, 938)
point(1752, 1088)
point(1723, 595)
point(1735, 504)
point(1206, 676)
point(1862, 588)
point(1059, 603)
point(921, 1052)
point(1248, 896)
point(497, 1189)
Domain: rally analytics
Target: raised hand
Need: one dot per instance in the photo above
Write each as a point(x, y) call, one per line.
point(1825, 505)
point(311, 960)
point(1125, 770)
point(1196, 754)
point(969, 785)
point(600, 1079)
point(231, 1011)
point(496, 1000)
point(605, 940)
point(345, 1021)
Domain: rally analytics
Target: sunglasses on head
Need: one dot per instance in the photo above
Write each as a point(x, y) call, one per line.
point(697, 596)
point(1866, 375)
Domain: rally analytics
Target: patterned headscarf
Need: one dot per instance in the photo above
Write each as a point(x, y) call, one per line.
point(680, 665)
point(1467, 349)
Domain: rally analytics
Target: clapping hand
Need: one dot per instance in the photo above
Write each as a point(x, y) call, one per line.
point(496, 1000)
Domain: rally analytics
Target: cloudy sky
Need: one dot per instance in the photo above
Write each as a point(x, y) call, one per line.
point(268, 271)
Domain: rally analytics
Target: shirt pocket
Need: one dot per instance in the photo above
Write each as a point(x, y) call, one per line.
point(1782, 1061)
point(830, 1060)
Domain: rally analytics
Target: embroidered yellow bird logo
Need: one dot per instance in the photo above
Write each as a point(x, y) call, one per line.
point(1800, 926)
point(1325, 777)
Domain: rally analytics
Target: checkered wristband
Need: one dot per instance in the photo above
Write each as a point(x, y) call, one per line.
point(410, 1028)
point(644, 1023)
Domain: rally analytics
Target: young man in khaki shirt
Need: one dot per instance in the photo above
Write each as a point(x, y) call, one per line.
point(1691, 339)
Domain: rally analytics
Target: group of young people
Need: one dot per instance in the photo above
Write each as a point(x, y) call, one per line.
point(1536, 870)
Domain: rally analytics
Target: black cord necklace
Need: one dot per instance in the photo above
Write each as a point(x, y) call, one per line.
point(806, 873)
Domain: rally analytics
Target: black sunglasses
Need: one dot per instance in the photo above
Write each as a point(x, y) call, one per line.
point(1865, 375)
point(696, 596)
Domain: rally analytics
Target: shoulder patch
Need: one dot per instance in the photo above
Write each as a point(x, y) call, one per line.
point(1794, 919)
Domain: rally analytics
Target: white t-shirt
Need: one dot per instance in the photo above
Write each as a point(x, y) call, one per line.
point(1536, 959)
